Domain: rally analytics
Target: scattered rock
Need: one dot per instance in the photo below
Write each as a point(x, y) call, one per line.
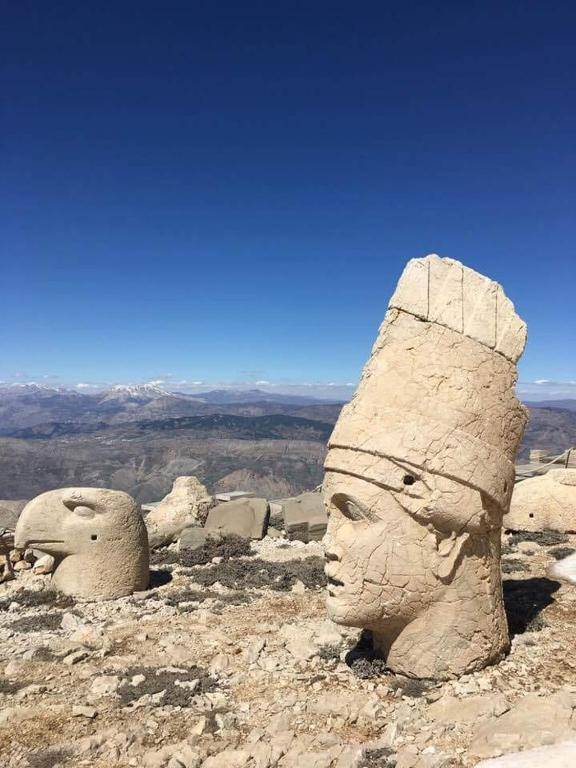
point(305, 517)
point(80, 711)
point(187, 504)
point(532, 722)
point(105, 685)
point(44, 565)
point(247, 518)
point(561, 755)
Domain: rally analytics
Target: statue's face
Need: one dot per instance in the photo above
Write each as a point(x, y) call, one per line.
point(382, 563)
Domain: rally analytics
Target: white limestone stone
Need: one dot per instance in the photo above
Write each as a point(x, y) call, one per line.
point(420, 471)
point(96, 536)
point(187, 504)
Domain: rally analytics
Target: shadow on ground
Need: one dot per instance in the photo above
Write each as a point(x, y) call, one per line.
point(524, 599)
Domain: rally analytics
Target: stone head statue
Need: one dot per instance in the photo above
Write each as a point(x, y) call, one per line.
point(97, 537)
point(420, 471)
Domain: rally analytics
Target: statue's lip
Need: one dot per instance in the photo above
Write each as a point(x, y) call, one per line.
point(332, 582)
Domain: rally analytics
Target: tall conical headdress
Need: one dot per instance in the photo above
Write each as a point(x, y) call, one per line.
point(438, 389)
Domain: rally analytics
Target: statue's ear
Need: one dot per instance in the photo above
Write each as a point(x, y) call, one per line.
point(449, 551)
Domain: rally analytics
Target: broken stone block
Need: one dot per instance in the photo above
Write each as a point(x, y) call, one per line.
point(234, 495)
point(194, 538)
point(187, 504)
point(247, 518)
point(305, 517)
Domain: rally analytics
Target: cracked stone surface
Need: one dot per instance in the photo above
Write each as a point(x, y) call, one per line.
point(420, 471)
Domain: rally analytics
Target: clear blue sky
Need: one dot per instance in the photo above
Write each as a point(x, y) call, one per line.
point(229, 191)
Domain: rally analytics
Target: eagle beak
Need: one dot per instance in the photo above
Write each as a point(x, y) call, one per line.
point(39, 527)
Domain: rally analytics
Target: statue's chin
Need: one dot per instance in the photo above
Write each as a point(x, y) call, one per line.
point(340, 612)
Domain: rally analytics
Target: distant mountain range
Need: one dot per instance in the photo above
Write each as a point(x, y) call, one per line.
point(25, 406)
point(139, 438)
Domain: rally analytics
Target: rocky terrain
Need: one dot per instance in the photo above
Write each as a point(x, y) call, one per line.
point(140, 439)
point(233, 664)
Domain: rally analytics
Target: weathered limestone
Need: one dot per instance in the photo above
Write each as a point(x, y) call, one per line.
point(534, 721)
point(547, 501)
point(244, 517)
point(419, 474)
point(233, 495)
point(561, 755)
point(187, 504)
point(97, 537)
point(305, 517)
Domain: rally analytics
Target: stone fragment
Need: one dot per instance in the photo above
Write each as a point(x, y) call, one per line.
point(451, 710)
point(561, 755)
point(233, 495)
point(187, 504)
point(105, 685)
point(88, 636)
point(228, 758)
point(194, 538)
point(97, 536)
point(247, 518)
point(80, 711)
point(533, 722)
point(544, 502)
point(75, 657)
point(305, 517)
point(420, 471)
point(44, 565)
point(71, 622)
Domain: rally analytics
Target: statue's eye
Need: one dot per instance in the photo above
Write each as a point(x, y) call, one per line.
point(79, 507)
point(352, 509)
point(408, 479)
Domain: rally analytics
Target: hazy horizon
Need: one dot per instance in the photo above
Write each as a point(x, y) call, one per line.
point(530, 391)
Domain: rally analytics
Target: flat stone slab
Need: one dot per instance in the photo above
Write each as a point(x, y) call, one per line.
point(305, 517)
point(234, 495)
point(192, 538)
point(554, 756)
point(245, 517)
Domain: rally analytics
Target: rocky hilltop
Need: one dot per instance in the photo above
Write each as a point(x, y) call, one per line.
point(232, 664)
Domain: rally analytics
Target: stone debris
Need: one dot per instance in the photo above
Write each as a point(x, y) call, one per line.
point(44, 565)
point(533, 722)
point(234, 495)
point(246, 517)
point(277, 690)
point(187, 504)
point(545, 502)
point(305, 517)
point(561, 755)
